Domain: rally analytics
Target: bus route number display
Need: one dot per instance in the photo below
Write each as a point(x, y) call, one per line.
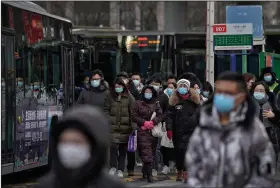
point(144, 43)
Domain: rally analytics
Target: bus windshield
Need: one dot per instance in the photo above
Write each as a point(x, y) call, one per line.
point(144, 54)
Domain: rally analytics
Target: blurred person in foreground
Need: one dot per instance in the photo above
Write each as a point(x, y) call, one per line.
point(80, 142)
point(230, 147)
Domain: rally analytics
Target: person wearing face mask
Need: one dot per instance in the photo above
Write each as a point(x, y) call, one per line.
point(230, 147)
point(167, 153)
point(80, 142)
point(96, 93)
point(136, 79)
point(156, 83)
point(129, 84)
point(141, 115)
point(196, 87)
point(270, 78)
point(181, 120)
point(269, 114)
point(118, 105)
point(23, 92)
point(249, 79)
point(207, 89)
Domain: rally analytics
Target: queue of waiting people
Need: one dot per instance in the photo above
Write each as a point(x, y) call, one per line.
point(222, 137)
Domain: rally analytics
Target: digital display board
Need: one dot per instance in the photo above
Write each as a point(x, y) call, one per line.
point(151, 43)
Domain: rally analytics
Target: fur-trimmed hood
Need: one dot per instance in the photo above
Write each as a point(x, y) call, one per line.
point(174, 98)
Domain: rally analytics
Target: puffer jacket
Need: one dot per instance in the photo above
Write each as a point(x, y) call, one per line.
point(236, 155)
point(181, 117)
point(118, 109)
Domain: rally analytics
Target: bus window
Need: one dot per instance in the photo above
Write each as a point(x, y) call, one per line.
point(7, 95)
point(192, 61)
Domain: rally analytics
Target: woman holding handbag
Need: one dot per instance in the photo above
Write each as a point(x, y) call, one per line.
point(142, 114)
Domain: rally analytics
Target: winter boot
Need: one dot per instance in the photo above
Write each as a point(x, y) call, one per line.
point(179, 175)
point(185, 176)
point(144, 171)
point(150, 174)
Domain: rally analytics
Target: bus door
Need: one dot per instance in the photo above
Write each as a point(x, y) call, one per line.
point(8, 99)
point(67, 59)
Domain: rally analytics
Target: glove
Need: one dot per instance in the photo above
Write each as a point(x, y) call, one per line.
point(169, 134)
point(150, 126)
point(143, 128)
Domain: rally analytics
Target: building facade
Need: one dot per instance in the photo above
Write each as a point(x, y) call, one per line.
point(173, 16)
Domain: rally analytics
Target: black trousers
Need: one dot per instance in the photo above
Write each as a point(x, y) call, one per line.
point(167, 155)
point(130, 161)
point(118, 155)
point(180, 159)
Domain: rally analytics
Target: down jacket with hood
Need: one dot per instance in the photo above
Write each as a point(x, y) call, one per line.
point(237, 155)
point(93, 123)
point(142, 112)
point(181, 117)
point(119, 110)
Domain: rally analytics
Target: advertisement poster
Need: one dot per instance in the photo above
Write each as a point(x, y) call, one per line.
point(36, 28)
point(32, 137)
point(27, 26)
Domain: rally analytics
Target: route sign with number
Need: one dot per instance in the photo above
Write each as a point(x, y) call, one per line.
point(233, 36)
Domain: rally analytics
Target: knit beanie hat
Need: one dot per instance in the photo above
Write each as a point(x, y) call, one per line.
point(185, 82)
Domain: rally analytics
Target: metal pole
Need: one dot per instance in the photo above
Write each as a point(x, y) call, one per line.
point(210, 47)
point(233, 62)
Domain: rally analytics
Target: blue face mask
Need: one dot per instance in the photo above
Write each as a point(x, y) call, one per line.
point(169, 91)
point(198, 91)
point(206, 93)
point(136, 82)
point(19, 84)
point(268, 78)
point(182, 90)
point(224, 103)
point(95, 83)
point(259, 95)
point(119, 89)
point(148, 95)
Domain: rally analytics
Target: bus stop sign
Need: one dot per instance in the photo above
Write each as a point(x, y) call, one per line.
point(247, 14)
point(233, 36)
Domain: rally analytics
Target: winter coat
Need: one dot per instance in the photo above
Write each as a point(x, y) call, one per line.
point(142, 112)
point(93, 96)
point(133, 90)
point(119, 113)
point(92, 122)
point(236, 155)
point(164, 102)
point(271, 124)
point(181, 118)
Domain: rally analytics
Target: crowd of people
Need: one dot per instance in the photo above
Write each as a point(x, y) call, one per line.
point(221, 136)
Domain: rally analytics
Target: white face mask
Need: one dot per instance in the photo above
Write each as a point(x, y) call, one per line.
point(73, 155)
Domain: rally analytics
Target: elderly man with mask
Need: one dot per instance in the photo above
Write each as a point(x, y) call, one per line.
point(80, 141)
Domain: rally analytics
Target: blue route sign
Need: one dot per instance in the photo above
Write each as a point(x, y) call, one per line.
point(247, 14)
